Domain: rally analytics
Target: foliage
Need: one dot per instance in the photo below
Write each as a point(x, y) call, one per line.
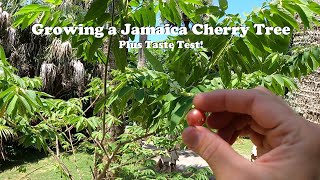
point(6, 133)
point(150, 102)
point(148, 172)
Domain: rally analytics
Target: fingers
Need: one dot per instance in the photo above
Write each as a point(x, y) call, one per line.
point(218, 153)
point(256, 138)
point(268, 110)
point(257, 128)
point(264, 90)
point(219, 120)
point(229, 124)
point(234, 137)
point(227, 133)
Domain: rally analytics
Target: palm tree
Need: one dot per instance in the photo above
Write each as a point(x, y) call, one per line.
point(6, 134)
point(306, 100)
point(63, 75)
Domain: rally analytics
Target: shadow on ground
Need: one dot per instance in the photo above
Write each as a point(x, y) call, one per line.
point(20, 156)
point(187, 154)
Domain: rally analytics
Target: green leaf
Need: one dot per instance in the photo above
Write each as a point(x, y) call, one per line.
point(152, 16)
point(96, 44)
point(120, 54)
point(31, 97)
point(45, 17)
point(99, 105)
point(243, 49)
point(255, 41)
point(277, 88)
point(80, 124)
point(25, 103)
point(224, 72)
point(316, 61)
point(290, 84)
point(279, 79)
point(196, 2)
point(316, 53)
point(138, 17)
point(214, 10)
point(55, 19)
point(187, 9)
point(54, 2)
point(29, 20)
point(176, 16)
point(32, 8)
point(139, 95)
point(102, 57)
point(304, 13)
point(315, 7)
point(93, 122)
point(12, 105)
point(223, 4)
point(134, 3)
point(155, 63)
point(97, 8)
point(125, 91)
point(9, 90)
point(145, 16)
point(168, 97)
point(104, 18)
point(165, 11)
point(285, 14)
point(18, 20)
point(3, 56)
point(180, 111)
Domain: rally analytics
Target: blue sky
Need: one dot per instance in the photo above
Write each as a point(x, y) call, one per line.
point(235, 6)
point(241, 6)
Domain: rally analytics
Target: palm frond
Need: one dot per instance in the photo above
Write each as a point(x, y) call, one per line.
point(59, 51)
point(6, 133)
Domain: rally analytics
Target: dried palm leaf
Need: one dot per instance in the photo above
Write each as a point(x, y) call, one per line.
point(78, 72)
point(48, 73)
point(5, 19)
point(60, 52)
point(12, 34)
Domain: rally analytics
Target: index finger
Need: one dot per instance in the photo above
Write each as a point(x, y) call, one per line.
point(267, 110)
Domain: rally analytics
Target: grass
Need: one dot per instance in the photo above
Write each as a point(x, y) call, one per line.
point(243, 147)
point(37, 166)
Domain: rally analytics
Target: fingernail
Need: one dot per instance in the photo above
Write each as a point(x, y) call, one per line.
point(190, 137)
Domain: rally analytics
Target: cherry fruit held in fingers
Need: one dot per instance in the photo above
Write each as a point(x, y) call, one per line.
point(195, 117)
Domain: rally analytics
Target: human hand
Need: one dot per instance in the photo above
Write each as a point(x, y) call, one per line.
point(289, 146)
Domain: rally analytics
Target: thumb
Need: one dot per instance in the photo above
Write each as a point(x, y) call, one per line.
point(218, 153)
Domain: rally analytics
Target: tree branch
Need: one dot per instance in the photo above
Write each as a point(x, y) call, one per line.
point(105, 81)
point(95, 100)
point(134, 162)
point(99, 144)
point(106, 167)
point(74, 155)
point(61, 164)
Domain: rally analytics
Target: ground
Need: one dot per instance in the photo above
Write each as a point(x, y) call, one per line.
point(37, 166)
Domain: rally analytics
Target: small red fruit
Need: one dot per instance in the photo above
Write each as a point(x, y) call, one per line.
point(195, 117)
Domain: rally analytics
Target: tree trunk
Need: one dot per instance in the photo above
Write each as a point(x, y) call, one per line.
point(57, 147)
point(114, 130)
point(142, 56)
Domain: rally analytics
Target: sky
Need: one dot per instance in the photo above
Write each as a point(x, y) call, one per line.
point(241, 6)
point(235, 6)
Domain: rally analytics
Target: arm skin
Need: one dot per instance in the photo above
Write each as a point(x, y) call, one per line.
point(288, 145)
